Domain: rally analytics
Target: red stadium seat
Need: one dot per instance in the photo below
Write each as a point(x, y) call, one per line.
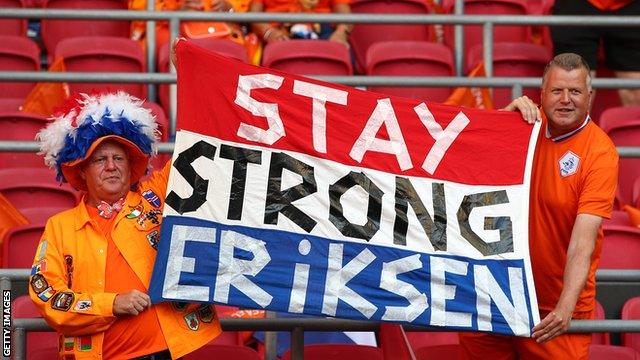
point(631, 311)
point(635, 193)
point(17, 54)
point(620, 247)
point(609, 352)
point(622, 124)
point(339, 352)
point(503, 33)
point(103, 54)
point(308, 57)
point(20, 126)
point(515, 60)
point(405, 58)
point(53, 31)
point(19, 246)
point(37, 215)
point(15, 27)
point(39, 343)
point(364, 35)
point(36, 187)
point(600, 338)
point(449, 352)
point(234, 352)
point(223, 47)
point(419, 339)
point(618, 217)
point(10, 104)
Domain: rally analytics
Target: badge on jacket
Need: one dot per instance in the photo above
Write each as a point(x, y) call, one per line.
point(151, 197)
point(62, 301)
point(568, 164)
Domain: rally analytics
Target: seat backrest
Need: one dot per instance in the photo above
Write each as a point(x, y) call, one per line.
point(608, 352)
point(39, 214)
point(407, 58)
point(631, 311)
point(103, 54)
point(339, 352)
point(445, 351)
point(364, 35)
point(37, 186)
point(16, 27)
point(39, 344)
point(622, 124)
point(308, 57)
point(620, 247)
point(213, 351)
point(515, 60)
point(224, 47)
point(503, 33)
point(598, 337)
point(20, 126)
point(19, 246)
point(17, 53)
point(53, 31)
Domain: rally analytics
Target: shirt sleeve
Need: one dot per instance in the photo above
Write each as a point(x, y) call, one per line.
point(599, 185)
point(68, 312)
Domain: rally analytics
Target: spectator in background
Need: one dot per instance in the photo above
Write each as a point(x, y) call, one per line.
point(93, 265)
point(272, 32)
point(621, 45)
point(573, 183)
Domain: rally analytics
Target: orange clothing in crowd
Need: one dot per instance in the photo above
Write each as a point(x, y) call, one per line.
point(72, 285)
point(572, 175)
point(610, 5)
point(324, 6)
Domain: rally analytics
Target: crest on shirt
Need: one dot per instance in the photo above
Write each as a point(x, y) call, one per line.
point(38, 283)
point(68, 263)
point(135, 211)
point(67, 343)
point(568, 164)
point(154, 238)
point(192, 321)
point(205, 313)
point(42, 250)
point(82, 305)
point(46, 294)
point(62, 301)
point(39, 267)
point(151, 197)
point(84, 343)
point(151, 216)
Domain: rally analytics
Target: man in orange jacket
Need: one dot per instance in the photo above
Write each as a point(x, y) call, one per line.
point(93, 266)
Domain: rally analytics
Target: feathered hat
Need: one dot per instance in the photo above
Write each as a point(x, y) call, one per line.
point(74, 134)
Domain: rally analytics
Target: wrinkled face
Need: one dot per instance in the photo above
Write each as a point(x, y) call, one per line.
point(566, 96)
point(107, 173)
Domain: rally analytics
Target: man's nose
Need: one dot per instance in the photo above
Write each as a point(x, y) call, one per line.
point(564, 97)
point(111, 164)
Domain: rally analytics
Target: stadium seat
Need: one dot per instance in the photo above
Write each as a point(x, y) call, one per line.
point(618, 217)
point(420, 339)
point(10, 104)
point(609, 352)
point(53, 31)
point(39, 344)
point(339, 352)
point(40, 214)
point(503, 33)
point(600, 338)
point(20, 126)
point(103, 54)
point(364, 35)
point(449, 352)
point(308, 57)
point(631, 311)
point(19, 246)
point(17, 54)
point(622, 124)
point(15, 27)
point(213, 351)
point(406, 58)
point(36, 187)
point(620, 247)
point(223, 47)
point(513, 60)
point(635, 193)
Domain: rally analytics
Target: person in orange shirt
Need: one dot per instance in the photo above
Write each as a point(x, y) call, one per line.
point(573, 184)
point(92, 268)
point(272, 32)
point(620, 44)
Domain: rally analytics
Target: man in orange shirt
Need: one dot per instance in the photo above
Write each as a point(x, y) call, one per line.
point(573, 183)
point(93, 265)
point(620, 44)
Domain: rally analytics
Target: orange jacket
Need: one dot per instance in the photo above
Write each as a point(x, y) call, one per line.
point(68, 277)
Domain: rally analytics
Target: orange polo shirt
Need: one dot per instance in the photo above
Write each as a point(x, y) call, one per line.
point(324, 6)
point(610, 5)
point(571, 175)
point(129, 336)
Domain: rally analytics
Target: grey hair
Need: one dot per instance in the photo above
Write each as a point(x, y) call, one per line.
point(568, 62)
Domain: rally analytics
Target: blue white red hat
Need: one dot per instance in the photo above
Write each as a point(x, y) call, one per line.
point(73, 135)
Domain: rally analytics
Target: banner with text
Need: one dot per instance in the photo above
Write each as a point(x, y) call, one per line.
point(297, 195)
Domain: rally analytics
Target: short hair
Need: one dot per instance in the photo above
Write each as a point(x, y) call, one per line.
point(568, 62)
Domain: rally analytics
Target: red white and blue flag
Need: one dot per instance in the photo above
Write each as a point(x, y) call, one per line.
point(297, 195)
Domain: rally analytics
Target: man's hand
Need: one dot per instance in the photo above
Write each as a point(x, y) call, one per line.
point(341, 36)
point(132, 303)
point(529, 110)
point(554, 324)
point(220, 6)
point(275, 34)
